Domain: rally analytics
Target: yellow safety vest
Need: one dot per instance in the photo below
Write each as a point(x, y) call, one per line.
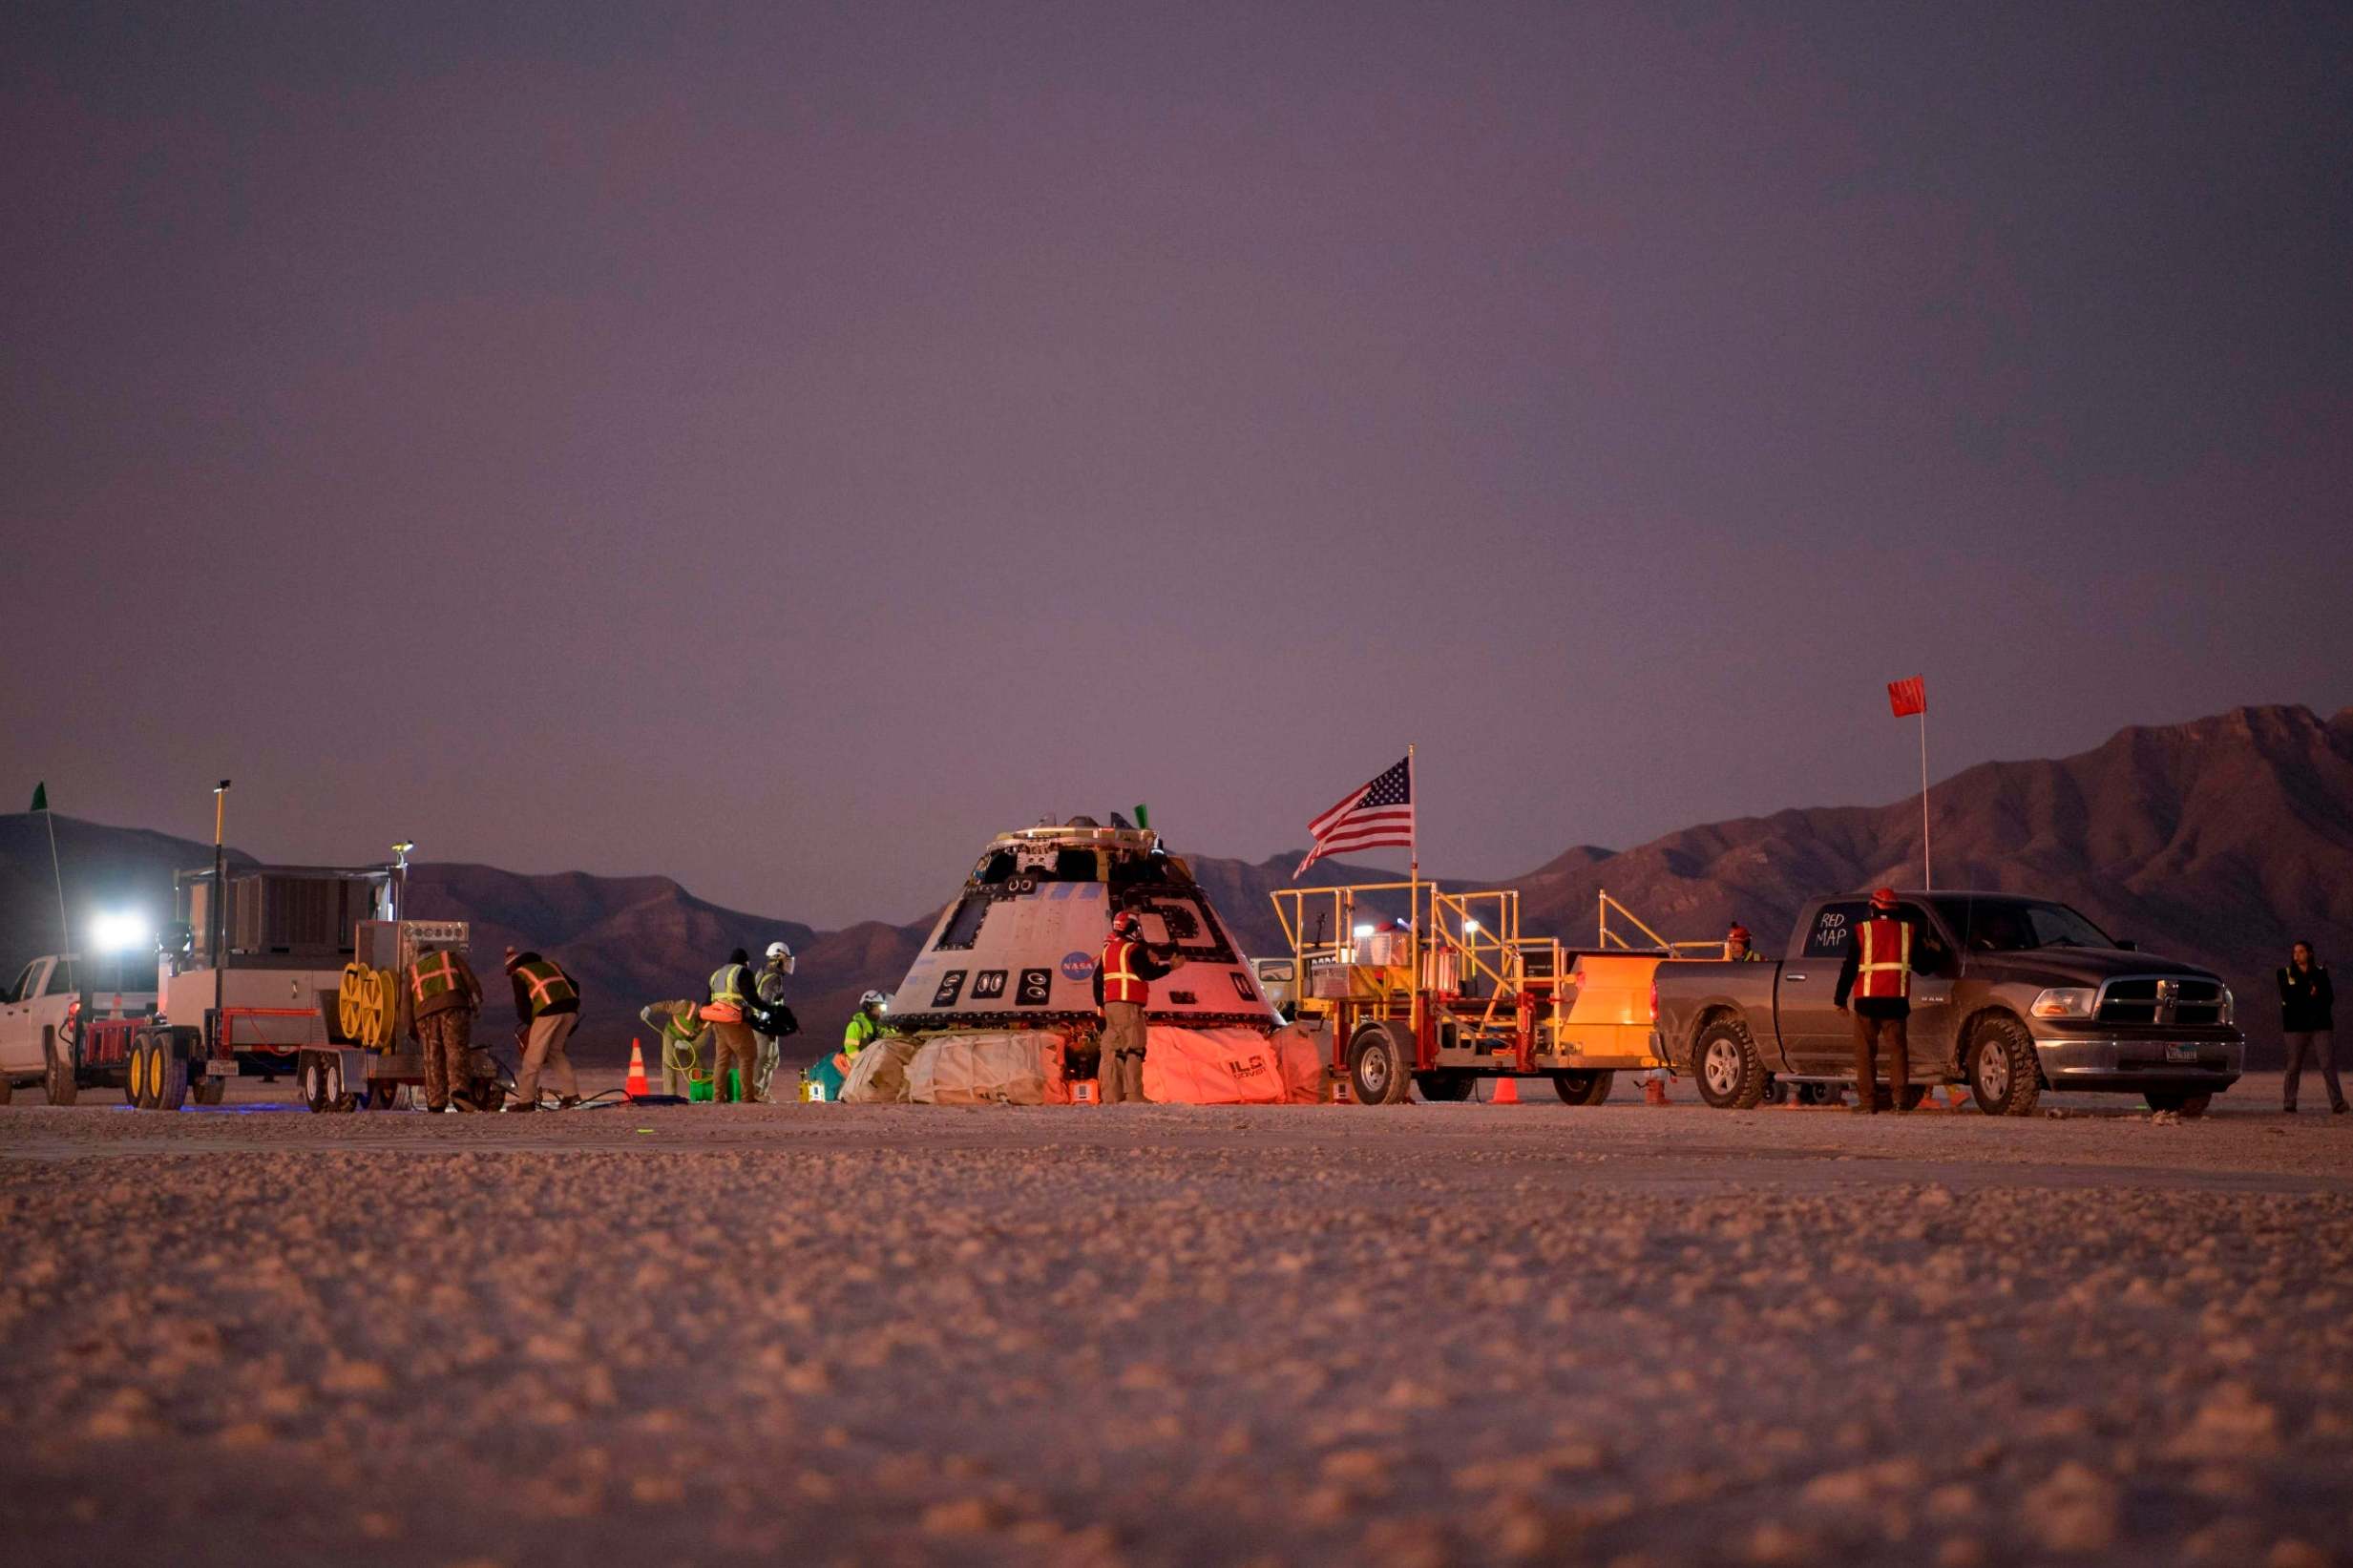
point(548, 985)
point(727, 985)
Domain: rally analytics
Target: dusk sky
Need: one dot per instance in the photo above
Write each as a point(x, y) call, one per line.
point(781, 446)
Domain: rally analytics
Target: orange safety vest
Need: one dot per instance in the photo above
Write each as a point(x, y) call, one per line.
point(547, 983)
point(1884, 959)
point(1121, 983)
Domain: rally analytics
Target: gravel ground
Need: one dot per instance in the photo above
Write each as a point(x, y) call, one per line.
point(1433, 1334)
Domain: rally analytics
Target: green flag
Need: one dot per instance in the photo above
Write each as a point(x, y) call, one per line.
point(40, 796)
point(1143, 816)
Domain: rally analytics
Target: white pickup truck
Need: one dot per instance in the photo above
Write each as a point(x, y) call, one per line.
point(43, 1008)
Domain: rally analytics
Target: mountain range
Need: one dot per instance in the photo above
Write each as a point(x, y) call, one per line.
point(2218, 841)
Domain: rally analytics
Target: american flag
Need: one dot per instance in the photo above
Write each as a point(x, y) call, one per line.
point(1908, 697)
point(1379, 813)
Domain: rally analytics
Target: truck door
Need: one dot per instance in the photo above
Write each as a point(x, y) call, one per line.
point(1935, 969)
point(1819, 1038)
point(20, 1035)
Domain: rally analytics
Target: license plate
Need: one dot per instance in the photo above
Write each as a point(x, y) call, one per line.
point(221, 1068)
point(2181, 1053)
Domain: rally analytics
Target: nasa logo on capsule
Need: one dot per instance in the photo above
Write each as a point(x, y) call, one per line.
point(1077, 966)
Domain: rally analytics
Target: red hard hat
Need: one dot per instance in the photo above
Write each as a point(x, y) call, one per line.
point(1739, 930)
point(1125, 921)
point(1883, 898)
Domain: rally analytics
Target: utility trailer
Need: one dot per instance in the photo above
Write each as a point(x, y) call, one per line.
point(1449, 990)
point(250, 976)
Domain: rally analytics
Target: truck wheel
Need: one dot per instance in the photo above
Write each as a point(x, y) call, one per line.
point(2178, 1100)
point(167, 1072)
point(139, 1079)
point(1585, 1087)
point(61, 1080)
point(2002, 1075)
point(1731, 1075)
point(310, 1083)
point(1443, 1088)
point(1379, 1064)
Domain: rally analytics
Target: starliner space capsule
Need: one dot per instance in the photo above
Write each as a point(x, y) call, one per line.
point(1016, 950)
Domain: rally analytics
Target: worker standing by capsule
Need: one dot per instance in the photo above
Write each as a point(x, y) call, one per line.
point(1124, 976)
point(444, 996)
point(1877, 978)
point(734, 1044)
point(770, 991)
point(547, 1009)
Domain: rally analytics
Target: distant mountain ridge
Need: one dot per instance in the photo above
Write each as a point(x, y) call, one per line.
point(2217, 841)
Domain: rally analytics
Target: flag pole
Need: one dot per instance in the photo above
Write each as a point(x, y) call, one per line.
point(1413, 872)
point(65, 928)
point(1928, 875)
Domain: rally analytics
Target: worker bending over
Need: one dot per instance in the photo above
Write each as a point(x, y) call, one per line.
point(770, 989)
point(1124, 977)
point(683, 1036)
point(736, 1045)
point(547, 1009)
point(1878, 978)
point(443, 997)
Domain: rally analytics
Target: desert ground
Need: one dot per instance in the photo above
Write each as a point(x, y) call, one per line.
point(1152, 1335)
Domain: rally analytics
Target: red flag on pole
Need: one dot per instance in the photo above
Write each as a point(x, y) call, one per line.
point(1908, 697)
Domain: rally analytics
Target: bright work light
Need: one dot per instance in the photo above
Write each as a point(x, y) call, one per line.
point(121, 930)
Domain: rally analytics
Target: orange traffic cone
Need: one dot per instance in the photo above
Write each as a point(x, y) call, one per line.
point(1506, 1092)
point(636, 1085)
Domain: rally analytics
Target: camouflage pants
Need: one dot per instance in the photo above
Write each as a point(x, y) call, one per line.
point(449, 1048)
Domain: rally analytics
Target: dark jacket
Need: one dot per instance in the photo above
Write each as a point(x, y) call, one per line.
point(2307, 1001)
point(1148, 967)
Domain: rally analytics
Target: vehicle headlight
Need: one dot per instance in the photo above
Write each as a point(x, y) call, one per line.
point(2229, 1011)
point(2065, 1002)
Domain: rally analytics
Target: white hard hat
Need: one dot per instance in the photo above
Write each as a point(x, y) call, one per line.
point(873, 998)
point(777, 950)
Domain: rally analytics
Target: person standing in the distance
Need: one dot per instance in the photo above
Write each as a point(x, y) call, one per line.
point(1739, 948)
point(1124, 976)
point(547, 1009)
point(769, 989)
point(1877, 976)
point(2308, 1024)
point(443, 997)
point(737, 1046)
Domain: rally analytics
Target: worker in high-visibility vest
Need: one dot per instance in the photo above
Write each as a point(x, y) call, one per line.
point(1741, 948)
point(735, 1045)
point(1877, 978)
point(547, 1009)
point(769, 988)
point(1124, 976)
point(443, 997)
point(682, 1036)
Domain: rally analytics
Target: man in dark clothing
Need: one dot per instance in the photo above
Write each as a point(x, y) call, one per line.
point(547, 1009)
point(2309, 1024)
point(1877, 976)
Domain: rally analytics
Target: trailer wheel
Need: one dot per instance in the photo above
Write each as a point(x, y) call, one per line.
point(167, 1075)
point(1731, 1075)
point(1379, 1057)
point(136, 1078)
point(382, 1095)
point(1445, 1087)
point(311, 1082)
point(1584, 1086)
point(2004, 1079)
point(59, 1063)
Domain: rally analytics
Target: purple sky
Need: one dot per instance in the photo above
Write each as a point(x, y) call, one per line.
point(781, 451)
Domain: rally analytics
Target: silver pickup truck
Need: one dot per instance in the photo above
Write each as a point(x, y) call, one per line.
point(2010, 995)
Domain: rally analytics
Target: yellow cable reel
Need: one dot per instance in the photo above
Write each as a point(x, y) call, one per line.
point(368, 1005)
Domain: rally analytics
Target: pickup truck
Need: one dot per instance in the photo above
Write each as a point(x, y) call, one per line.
point(2010, 995)
point(44, 1009)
